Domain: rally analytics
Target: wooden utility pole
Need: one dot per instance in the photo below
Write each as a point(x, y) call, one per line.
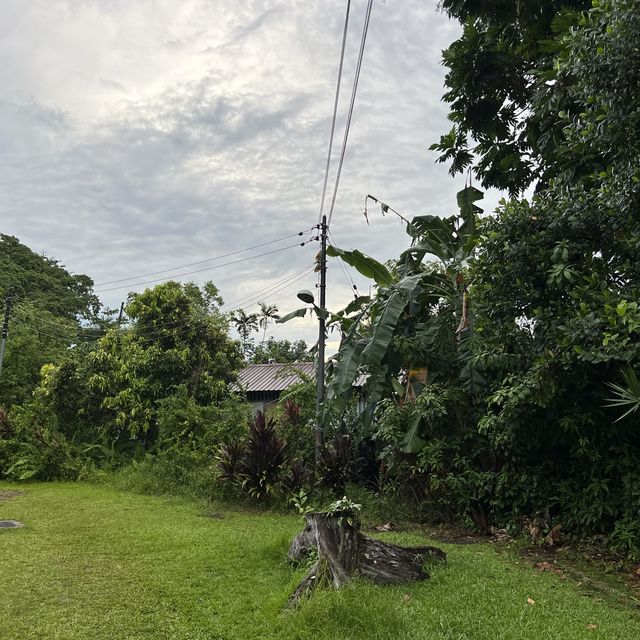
point(321, 341)
point(5, 326)
point(120, 314)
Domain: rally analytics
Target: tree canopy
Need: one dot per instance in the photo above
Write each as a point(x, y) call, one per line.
point(44, 282)
point(48, 304)
point(496, 77)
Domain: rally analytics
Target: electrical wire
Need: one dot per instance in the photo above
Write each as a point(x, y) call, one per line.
point(177, 327)
point(268, 290)
point(150, 335)
point(335, 110)
point(57, 338)
point(273, 288)
point(352, 285)
point(193, 264)
point(188, 273)
point(354, 90)
point(160, 328)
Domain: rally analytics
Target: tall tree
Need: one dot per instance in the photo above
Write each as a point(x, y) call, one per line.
point(496, 72)
point(267, 313)
point(176, 346)
point(246, 324)
point(48, 305)
point(44, 282)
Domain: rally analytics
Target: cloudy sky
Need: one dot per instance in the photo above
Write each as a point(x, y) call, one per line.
point(140, 136)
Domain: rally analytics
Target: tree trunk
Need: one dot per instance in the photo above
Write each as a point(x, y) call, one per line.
point(345, 553)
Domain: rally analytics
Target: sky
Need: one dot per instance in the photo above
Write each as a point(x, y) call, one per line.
point(141, 136)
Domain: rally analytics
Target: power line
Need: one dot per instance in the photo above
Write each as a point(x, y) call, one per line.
point(58, 338)
point(335, 110)
point(350, 281)
point(188, 273)
point(273, 288)
point(354, 90)
point(153, 335)
point(185, 325)
point(21, 312)
point(268, 290)
point(192, 264)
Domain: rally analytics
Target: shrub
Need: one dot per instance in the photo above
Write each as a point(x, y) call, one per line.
point(264, 457)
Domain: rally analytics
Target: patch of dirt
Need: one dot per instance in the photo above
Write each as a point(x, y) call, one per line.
point(449, 534)
point(10, 495)
point(455, 535)
point(598, 575)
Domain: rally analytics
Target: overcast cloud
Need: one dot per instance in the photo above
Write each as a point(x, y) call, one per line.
point(136, 136)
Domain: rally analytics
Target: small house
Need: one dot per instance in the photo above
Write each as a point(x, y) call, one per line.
point(264, 383)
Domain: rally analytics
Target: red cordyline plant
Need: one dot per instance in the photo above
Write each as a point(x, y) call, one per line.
point(291, 411)
point(257, 464)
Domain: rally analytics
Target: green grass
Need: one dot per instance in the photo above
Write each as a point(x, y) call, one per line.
point(97, 563)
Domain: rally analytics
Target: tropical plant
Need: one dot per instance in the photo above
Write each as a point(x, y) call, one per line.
point(264, 458)
point(246, 324)
point(418, 321)
point(267, 313)
point(334, 470)
point(627, 396)
point(283, 351)
point(228, 459)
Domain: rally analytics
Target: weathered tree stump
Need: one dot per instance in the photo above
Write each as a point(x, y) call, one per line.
point(344, 553)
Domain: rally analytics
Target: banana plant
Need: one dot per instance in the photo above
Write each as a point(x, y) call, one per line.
point(412, 314)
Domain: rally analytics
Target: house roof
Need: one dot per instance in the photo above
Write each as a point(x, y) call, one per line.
point(274, 376)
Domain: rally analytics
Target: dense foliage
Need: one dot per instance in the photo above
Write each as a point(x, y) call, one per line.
point(496, 73)
point(160, 385)
point(284, 351)
point(526, 330)
point(48, 304)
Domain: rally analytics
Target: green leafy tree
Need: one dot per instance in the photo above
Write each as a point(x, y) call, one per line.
point(283, 351)
point(48, 304)
point(497, 70)
point(177, 344)
point(44, 282)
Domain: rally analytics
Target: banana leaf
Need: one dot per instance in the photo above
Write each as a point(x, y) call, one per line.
point(366, 265)
point(298, 313)
point(384, 327)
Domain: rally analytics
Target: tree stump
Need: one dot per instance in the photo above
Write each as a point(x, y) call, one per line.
point(344, 553)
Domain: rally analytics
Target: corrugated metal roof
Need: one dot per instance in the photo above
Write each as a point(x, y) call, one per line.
point(275, 376)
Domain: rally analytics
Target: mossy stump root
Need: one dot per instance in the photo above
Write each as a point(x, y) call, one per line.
point(345, 553)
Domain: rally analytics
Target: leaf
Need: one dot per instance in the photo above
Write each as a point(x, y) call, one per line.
point(468, 210)
point(412, 442)
point(397, 387)
point(323, 314)
point(531, 601)
point(384, 328)
point(626, 396)
point(357, 304)
point(364, 264)
point(298, 313)
point(346, 370)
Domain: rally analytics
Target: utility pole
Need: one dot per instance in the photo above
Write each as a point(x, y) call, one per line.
point(321, 341)
point(5, 326)
point(120, 314)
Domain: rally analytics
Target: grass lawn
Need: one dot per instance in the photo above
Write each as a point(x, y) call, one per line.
point(95, 563)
